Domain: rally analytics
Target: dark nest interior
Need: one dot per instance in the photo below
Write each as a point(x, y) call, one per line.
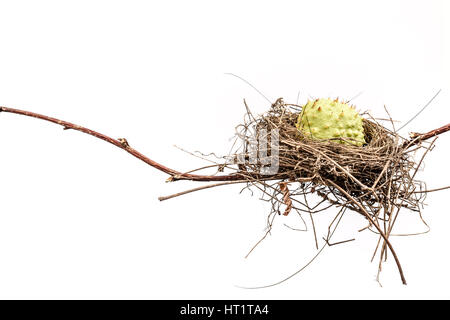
point(375, 180)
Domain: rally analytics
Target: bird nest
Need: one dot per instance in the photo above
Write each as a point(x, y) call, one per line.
point(375, 180)
point(379, 175)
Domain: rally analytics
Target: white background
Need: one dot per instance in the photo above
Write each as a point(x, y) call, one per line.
point(80, 218)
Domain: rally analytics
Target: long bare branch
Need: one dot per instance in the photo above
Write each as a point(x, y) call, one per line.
point(122, 144)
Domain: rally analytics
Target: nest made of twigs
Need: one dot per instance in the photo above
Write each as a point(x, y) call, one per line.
point(375, 180)
point(378, 174)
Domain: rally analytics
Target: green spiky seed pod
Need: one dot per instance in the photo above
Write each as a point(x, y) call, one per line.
point(328, 119)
